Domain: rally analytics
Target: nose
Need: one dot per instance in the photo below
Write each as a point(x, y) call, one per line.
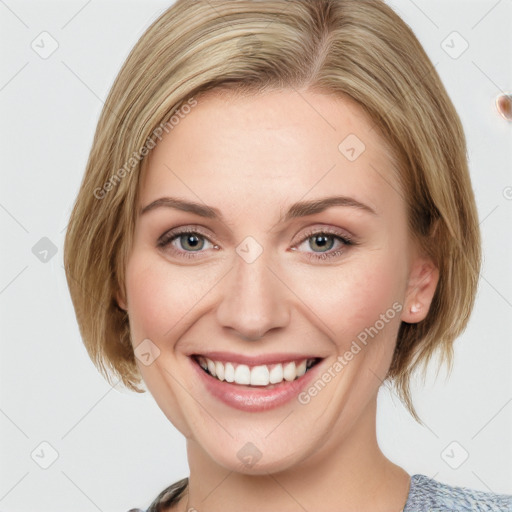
point(254, 299)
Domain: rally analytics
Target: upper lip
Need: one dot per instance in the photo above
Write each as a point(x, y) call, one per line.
point(254, 360)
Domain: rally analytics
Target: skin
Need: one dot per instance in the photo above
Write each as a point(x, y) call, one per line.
point(251, 158)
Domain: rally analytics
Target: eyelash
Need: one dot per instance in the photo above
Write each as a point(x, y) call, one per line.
point(167, 238)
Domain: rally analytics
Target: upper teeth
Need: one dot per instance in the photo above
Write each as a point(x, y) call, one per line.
point(261, 375)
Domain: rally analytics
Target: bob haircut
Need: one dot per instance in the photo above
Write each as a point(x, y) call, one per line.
point(359, 49)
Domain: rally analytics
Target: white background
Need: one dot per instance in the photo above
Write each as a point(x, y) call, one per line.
point(116, 449)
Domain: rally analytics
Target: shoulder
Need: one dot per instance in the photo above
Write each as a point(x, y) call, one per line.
point(429, 495)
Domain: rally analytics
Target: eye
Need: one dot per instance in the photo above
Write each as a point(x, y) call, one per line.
point(184, 242)
point(330, 244)
point(190, 242)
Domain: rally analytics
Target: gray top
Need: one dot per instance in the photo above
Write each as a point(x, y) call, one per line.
point(428, 495)
point(425, 495)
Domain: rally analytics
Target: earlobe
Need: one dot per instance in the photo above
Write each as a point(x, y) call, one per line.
point(415, 308)
point(420, 291)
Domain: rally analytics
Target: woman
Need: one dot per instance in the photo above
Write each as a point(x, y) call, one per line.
point(276, 217)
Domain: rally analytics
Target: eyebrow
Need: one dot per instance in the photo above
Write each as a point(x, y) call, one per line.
point(299, 209)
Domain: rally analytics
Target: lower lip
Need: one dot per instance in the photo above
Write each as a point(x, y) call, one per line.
point(252, 398)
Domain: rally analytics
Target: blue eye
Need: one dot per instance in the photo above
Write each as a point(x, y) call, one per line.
point(325, 241)
point(189, 243)
point(192, 240)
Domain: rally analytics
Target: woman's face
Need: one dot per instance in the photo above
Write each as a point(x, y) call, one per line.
point(262, 283)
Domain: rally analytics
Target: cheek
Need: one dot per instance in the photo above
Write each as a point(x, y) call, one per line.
point(352, 297)
point(164, 298)
point(159, 298)
point(161, 295)
point(147, 299)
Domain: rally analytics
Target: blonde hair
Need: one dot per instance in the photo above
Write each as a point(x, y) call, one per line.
point(356, 48)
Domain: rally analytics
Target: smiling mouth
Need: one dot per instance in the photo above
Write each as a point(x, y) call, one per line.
point(258, 375)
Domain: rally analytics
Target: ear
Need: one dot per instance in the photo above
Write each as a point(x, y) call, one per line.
point(421, 286)
point(121, 301)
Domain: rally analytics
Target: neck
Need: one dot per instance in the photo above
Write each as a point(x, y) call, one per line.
point(351, 474)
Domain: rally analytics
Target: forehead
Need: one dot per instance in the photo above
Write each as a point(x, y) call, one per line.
point(271, 148)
